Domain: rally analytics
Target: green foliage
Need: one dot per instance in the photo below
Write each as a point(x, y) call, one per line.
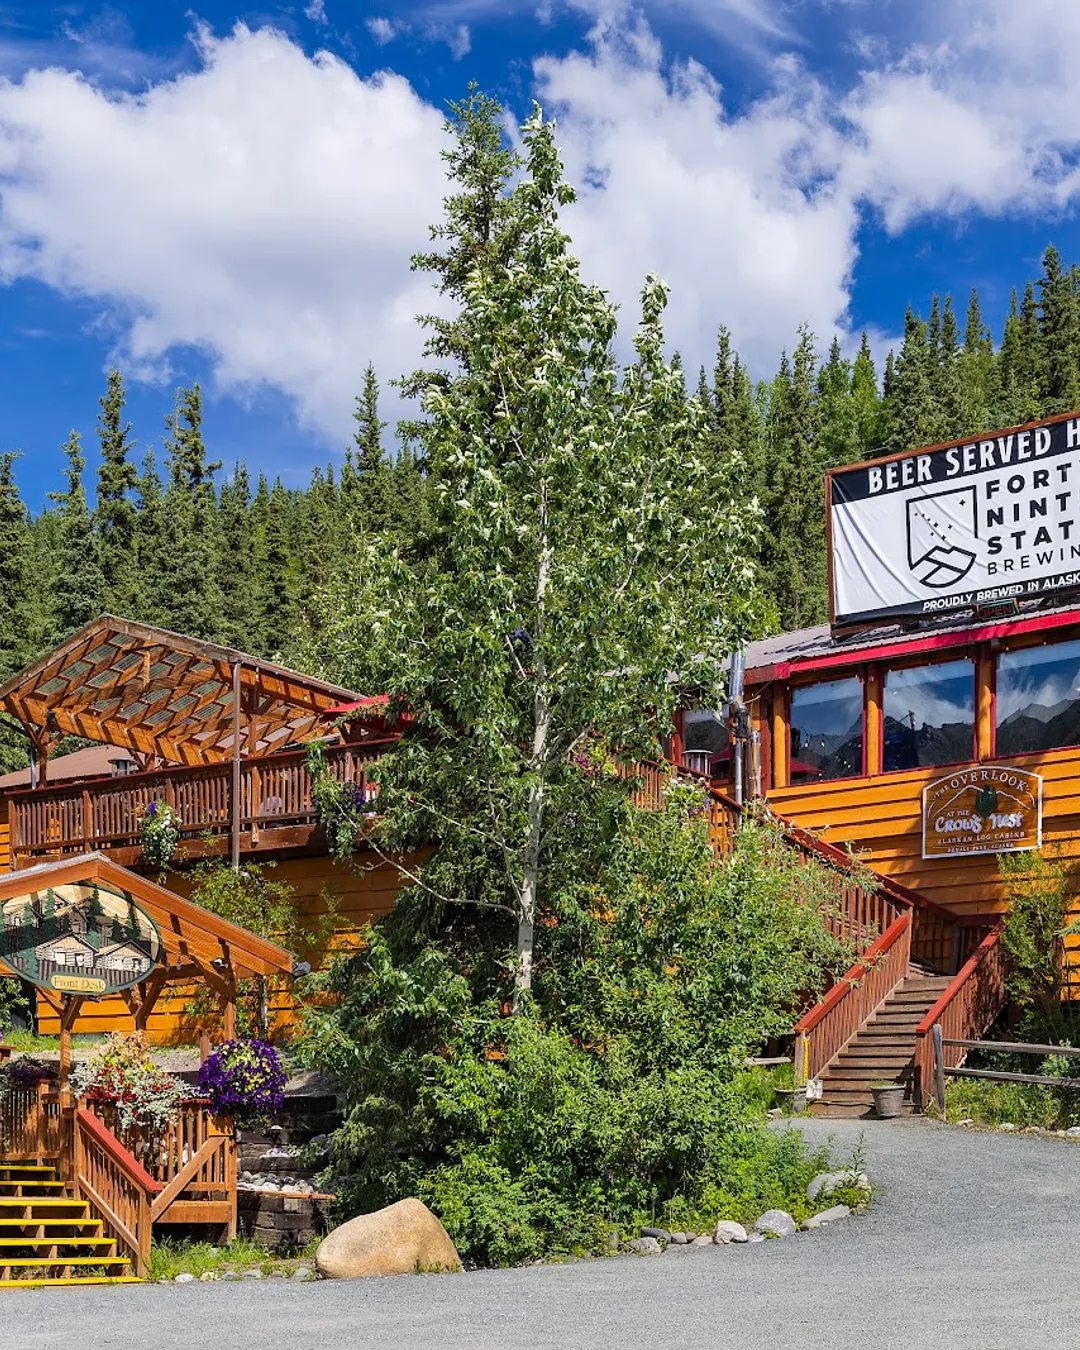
point(1021, 1104)
point(1041, 891)
point(617, 1094)
point(170, 1257)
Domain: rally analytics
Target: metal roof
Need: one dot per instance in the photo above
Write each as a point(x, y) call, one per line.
point(811, 645)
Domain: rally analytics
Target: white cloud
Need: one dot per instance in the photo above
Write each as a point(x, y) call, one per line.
point(382, 29)
point(316, 11)
point(459, 40)
point(263, 208)
point(738, 214)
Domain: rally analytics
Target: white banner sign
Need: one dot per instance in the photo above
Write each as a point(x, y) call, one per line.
point(967, 524)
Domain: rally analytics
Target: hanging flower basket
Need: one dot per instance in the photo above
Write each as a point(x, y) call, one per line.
point(245, 1081)
point(159, 833)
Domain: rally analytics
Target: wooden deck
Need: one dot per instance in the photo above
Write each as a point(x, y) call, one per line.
point(275, 812)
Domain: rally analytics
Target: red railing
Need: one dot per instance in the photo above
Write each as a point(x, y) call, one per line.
point(117, 1187)
point(275, 792)
point(824, 1031)
point(967, 1007)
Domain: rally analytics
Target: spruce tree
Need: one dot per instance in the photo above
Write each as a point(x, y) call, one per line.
point(79, 582)
point(866, 403)
point(115, 519)
point(236, 563)
point(191, 599)
point(373, 500)
point(948, 393)
point(793, 553)
point(978, 392)
point(1058, 337)
point(911, 411)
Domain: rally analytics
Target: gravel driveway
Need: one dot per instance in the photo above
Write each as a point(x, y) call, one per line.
point(974, 1242)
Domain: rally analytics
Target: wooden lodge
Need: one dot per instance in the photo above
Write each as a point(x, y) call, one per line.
point(220, 737)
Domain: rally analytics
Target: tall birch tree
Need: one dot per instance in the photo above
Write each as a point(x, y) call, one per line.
point(567, 574)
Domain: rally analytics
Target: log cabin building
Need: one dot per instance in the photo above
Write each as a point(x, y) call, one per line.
point(933, 723)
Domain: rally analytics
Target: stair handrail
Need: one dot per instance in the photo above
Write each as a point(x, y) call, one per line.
point(115, 1184)
point(853, 999)
point(967, 1006)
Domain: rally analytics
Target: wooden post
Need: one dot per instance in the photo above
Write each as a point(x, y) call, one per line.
point(204, 1045)
point(802, 1051)
point(984, 706)
point(236, 767)
point(230, 1018)
point(87, 821)
point(939, 1069)
point(872, 748)
point(779, 739)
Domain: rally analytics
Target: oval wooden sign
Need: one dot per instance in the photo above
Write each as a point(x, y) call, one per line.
point(989, 809)
point(83, 938)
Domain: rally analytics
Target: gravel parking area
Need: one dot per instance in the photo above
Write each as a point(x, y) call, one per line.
point(972, 1243)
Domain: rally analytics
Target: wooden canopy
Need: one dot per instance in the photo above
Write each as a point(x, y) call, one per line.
point(163, 695)
point(195, 941)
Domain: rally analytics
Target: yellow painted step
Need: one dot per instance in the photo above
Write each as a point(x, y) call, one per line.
point(53, 1223)
point(58, 1239)
point(46, 1202)
point(69, 1279)
point(47, 1261)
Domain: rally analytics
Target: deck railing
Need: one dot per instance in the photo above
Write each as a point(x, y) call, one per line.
point(118, 1188)
point(133, 1178)
point(824, 1031)
point(967, 1007)
point(275, 793)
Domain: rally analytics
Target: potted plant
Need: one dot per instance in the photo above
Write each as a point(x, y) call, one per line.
point(159, 833)
point(790, 1099)
point(888, 1099)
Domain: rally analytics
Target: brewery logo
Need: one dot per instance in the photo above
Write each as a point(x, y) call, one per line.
point(942, 530)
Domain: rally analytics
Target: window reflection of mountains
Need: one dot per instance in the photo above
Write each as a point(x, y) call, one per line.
point(824, 754)
point(908, 747)
point(1038, 727)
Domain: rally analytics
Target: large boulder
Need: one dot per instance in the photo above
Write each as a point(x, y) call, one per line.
point(398, 1240)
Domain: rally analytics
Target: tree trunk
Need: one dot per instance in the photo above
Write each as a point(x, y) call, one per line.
point(530, 872)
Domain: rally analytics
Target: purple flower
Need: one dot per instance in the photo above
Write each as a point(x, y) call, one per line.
point(244, 1080)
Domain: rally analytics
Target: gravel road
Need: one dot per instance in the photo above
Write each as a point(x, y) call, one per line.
point(974, 1242)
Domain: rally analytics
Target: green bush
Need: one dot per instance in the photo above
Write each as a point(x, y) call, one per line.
point(617, 1096)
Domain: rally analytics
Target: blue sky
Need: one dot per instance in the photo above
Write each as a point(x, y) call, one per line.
point(231, 194)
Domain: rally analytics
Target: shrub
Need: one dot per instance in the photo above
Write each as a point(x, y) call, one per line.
point(245, 1081)
point(617, 1094)
point(159, 833)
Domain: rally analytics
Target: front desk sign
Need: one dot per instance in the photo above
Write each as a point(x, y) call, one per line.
point(989, 809)
point(78, 939)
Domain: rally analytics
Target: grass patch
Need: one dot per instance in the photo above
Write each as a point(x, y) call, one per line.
point(169, 1258)
point(1019, 1104)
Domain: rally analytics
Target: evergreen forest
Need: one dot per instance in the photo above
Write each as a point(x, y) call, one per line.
point(176, 538)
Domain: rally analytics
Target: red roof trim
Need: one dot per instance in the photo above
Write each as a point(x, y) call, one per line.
point(927, 643)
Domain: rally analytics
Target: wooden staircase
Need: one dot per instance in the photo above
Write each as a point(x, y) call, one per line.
point(47, 1237)
point(883, 1049)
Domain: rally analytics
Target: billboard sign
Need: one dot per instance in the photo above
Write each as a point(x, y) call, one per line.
point(976, 522)
point(81, 938)
point(991, 809)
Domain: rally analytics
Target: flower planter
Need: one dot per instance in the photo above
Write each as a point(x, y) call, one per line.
point(888, 1100)
point(792, 1101)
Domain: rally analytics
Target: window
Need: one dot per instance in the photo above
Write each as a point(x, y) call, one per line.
point(827, 730)
point(929, 715)
point(1038, 698)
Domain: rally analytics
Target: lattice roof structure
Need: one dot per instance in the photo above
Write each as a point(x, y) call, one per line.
point(160, 694)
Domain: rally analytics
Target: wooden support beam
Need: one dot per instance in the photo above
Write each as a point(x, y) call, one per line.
point(152, 988)
point(236, 811)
